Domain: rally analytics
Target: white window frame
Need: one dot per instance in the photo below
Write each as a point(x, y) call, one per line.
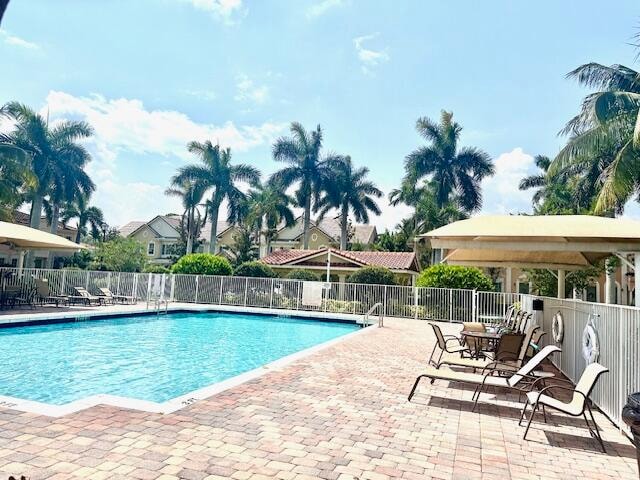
point(151, 249)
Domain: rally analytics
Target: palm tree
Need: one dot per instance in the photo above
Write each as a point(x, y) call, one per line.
point(3, 7)
point(56, 158)
point(14, 178)
point(215, 172)
point(609, 120)
point(190, 193)
point(538, 181)
point(87, 216)
point(269, 207)
point(454, 171)
point(306, 167)
point(354, 193)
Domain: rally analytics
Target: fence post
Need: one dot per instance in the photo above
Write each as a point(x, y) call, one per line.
point(450, 305)
point(474, 305)
point(273, 280)
point(86, 283)
point(195, 300)
point(415, 303)
point(173, 287)
point(109, 280)
point(63, 282)
point(149, 287)
point(384, 301)
point(298, 295)
point(134, 286)
point(355, 288)
point(118, 284)
point(246, 290)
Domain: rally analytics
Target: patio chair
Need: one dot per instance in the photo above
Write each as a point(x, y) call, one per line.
point(474, 344)
point(534, 345)
point(491, 378)
point(44, 296)
point(85, 297)
point(117, 298)
point(576, 407)
point(507, 352)
point(444, 346)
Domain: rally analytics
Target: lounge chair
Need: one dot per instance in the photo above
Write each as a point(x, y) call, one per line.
point(491, 378)
point(85, 297)
point(444, 346)
point(576, 407)
point(511, 349)
point(44, 295)
point(117, 298)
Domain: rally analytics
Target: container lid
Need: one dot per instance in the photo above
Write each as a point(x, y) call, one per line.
point(634, 401)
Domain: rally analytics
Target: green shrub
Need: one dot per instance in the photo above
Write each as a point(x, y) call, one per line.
point(119, 255)
point(156, 269)
point(373, 276)
point(202, 264)
point(255, 269)
point(301, 274)
point(454, 276)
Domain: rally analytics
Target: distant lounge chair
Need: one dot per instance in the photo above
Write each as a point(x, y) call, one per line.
point(576, 407)
point(85, 297)
point(491, 378)
point(117, 298)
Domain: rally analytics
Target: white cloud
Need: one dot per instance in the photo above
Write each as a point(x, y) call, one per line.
point(320, 8)
point(247, 90)
point(369, 58)
point(17, 41)
point(208, 95)
point(500, 192)
point(228, 11)
point(124, 127)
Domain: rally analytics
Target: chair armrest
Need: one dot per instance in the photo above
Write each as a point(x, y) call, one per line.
point(558, 387)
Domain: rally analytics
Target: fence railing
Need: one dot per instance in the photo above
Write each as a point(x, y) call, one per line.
point(618, 327)
point(453, 305)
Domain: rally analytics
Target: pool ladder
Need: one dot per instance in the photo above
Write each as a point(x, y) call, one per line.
point(366, 320)
point(157, 305)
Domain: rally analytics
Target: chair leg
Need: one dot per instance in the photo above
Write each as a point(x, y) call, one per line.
point(544, 414)
point(533, 412)
point(430, 362)
point(475, 403)
point(595, 431)
point(524, 410)
point(415, 385)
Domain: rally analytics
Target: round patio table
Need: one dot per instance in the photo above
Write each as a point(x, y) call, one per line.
point(491, 339)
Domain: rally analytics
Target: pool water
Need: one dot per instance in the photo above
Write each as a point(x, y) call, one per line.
point(154, 358)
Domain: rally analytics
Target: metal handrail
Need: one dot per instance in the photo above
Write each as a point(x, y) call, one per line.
point(380, 316)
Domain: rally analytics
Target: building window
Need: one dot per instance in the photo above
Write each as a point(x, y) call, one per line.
point(523, 287)
point(151, 248)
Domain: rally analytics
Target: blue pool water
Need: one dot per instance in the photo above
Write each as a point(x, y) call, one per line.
point(147, 357)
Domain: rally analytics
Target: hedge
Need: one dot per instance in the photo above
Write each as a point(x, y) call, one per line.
point(301, 274)
point(202, 264)
point(373, 276)
point(255, 269)
point(454, 276)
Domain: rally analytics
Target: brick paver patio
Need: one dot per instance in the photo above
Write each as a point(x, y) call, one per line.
point(341, 413)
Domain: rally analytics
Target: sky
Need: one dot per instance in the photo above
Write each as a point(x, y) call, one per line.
point(152, 75)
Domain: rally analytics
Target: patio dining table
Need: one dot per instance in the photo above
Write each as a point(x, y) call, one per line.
point(489, 338)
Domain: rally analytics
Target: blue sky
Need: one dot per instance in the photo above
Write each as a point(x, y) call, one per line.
point(151, 75)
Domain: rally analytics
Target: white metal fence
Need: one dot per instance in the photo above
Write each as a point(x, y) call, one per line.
point(618, 326)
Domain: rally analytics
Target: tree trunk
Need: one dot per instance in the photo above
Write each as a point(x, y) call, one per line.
point(190, 229)
point(344, 227)
point(53, 228)
point(306, 222)
point(78, 229)
point(34, 222)
point(213, 237)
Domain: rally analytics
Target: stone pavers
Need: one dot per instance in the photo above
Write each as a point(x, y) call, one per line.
point(339, 414)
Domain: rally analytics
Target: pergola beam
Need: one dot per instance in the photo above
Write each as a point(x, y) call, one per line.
point(542, 246)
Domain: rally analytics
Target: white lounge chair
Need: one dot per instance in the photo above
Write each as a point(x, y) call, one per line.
point(444, 345)
point(489, 379)
point(576, 407)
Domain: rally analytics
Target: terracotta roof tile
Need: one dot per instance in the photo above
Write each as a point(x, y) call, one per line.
point(392, 260)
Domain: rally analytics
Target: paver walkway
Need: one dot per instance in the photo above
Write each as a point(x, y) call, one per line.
point(341, 413)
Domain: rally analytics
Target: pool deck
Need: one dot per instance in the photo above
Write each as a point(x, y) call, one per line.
point(339, 413)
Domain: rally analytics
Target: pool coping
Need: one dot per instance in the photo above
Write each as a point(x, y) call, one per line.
point(189, 398)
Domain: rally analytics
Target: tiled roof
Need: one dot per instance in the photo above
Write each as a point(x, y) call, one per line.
point(128, 228)
point(392, 260)
point(21, 218)
point(364, 234)
point(206, 230)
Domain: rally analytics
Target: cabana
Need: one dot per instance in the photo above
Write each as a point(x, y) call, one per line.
point(554, 242)
point(22, 238)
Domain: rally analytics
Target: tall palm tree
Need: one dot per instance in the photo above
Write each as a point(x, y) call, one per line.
point(190, 194)
point(454, 171)
point(538, 181)
point(87, 217)
point(15, 177)
point(55, 155)
point(268, 208)
point(354, 194)
point(609, 120)
point(3, 8)
point(306, 167)
point(215, 172)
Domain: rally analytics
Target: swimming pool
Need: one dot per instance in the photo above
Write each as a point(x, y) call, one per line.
point(148, 357)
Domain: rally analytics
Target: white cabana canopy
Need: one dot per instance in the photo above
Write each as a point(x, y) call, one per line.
point(20, 237)
point(562, 242)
